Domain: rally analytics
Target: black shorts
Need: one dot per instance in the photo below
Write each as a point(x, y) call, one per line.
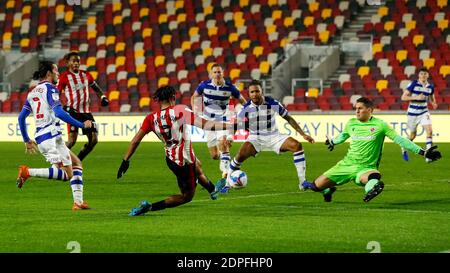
point(186, 175)
point(81, 117)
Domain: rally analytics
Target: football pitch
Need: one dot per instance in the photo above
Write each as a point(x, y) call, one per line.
point(270, 215)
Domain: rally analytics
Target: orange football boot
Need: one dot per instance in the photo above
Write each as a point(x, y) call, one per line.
point(81, 206)
point(23, 176)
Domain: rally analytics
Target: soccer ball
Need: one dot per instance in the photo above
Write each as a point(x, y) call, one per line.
point(237, 180)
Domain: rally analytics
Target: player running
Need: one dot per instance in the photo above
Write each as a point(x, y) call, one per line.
point(216, 94)
point(43, 102)
point(169, 124)
point(361, 163)
point(259, 117)
point(75, 83)
point(418, 93)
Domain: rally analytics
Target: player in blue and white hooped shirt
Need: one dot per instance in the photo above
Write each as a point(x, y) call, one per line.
point(43, 102)
point(258, 117)
point(216, 94)
point(419, 93)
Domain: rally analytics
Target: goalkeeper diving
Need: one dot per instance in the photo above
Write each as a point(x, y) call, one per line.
point(363, 158)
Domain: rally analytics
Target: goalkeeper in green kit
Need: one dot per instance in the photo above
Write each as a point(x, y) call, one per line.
point(364, 155)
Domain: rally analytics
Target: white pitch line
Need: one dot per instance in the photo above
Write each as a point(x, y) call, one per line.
point(250, 196)
point(312, 207)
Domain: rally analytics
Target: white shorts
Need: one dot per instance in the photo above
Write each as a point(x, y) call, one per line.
point(268, 143)
point(213, 137)
point(55, 151)
point(414, 121)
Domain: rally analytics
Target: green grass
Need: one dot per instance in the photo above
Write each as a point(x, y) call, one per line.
point(270, 215)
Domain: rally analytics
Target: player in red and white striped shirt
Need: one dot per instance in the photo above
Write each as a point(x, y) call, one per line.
point(74, 84)
point(170, 125)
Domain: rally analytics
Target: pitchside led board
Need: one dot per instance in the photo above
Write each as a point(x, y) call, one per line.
point(123, 128)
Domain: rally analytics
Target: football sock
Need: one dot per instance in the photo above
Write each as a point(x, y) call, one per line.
point(76, 183)
point(159, 205)
point(50, 173)
point(224, 161)
point(234, 165)
point(210, 187)
point(370, 184)
point(429, 142)
point(85, 151)
point(300, 165)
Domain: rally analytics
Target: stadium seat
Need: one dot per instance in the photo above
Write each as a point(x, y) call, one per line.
point(145, 101)
point(313, 92)
point(429, 63)
point(401, 55)
point(381, 84)
point(363, 71)
point(444, 70)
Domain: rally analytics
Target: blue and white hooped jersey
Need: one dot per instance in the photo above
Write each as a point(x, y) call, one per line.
point(41, 101)
point(216, 98)
point(419, 107)
point(260, 119)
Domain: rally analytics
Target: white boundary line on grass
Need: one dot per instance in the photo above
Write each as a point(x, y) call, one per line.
point(313, 207)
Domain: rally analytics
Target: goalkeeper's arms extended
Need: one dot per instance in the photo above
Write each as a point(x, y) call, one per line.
point(407, 144)
point(430, 153)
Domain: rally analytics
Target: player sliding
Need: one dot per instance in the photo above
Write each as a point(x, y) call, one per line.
point(259, 117)
point(169, 124)
point(43, 102)
point(364, 154)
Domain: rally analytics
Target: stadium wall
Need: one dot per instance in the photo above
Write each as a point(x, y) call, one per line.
point(318, 125)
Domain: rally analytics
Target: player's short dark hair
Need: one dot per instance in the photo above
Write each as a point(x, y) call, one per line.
point(70, 54)
point(366, 101)
point(255, 82)
point(424, 69)
point(44, 67)
point(164, 93)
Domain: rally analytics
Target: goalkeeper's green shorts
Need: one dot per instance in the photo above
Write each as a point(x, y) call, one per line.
point(344, 172)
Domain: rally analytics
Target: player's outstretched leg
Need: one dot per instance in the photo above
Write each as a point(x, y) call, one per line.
point(218, 188)
point(144, 207)
point(50, 173)
point(376, 190)
point(373, 187)
point(328, 194)
point(23, 176)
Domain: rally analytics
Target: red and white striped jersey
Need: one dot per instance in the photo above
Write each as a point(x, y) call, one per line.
point(169, 125)
point(75, 87)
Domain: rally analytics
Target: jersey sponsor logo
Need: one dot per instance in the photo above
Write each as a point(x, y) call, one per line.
point(363, 137)
point(219, 93)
